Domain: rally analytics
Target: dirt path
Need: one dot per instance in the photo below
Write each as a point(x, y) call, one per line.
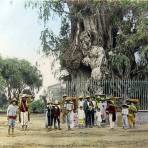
point(39, 137)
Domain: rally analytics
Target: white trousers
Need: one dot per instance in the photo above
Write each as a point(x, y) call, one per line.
point(24, 118)
point(124, 121)
point(111, 122)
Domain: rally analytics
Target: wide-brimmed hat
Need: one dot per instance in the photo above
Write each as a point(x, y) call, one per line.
point(14, 100)
point(111, 102)
point(80, 97)
point(87, 97)
point(68, 99)
point(132, 100)
point(24, 95)
point(56, 102)
point(64, 95)
point(49, 102)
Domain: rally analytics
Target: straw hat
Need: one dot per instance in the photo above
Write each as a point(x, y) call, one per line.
point(64, 95)
point(111, 102)
point(56, 102)
point(49, 102)
point(68, 99)
point(80, 97)
point(24, 95)
point(13, 100)
point(87, 97)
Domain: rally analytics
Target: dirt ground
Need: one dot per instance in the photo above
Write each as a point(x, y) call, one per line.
point(39, 137)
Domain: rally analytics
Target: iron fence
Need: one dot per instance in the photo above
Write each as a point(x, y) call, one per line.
point(136, 89)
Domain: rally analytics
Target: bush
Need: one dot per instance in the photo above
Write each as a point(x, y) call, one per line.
point(37, 106)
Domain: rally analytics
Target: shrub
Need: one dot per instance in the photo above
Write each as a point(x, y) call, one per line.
point(37, 106)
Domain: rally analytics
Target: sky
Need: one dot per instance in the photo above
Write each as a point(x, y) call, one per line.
point(20, 31)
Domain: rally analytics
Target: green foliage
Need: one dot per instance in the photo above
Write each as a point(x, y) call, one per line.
point(127, 42)
point(120, 65)
point(2, 84)
point(17, 74)
point(3, 99)
point(37, 106)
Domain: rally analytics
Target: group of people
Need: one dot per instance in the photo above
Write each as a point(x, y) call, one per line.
point(83, 113)
point(88, 112)
point(20, 107)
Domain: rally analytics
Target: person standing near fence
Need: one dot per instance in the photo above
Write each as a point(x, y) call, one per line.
point(90, 113)
point(98, 117)
point(80, 102)
point(56, 115)
point(94, 104)
point(12, 115)
point(132, 115)
point(111, 110)
point(50, 114)
point(125, 116)
point(68, 105)
point(103, 112)
point(86, 110)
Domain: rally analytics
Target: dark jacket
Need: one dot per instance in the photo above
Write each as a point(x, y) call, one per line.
point(50, 110)
point(111, 109)
point(56, 112)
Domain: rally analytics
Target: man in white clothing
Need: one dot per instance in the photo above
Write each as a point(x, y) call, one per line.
point(124, 116)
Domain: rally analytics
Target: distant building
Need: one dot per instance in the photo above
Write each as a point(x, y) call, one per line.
point(54, 91)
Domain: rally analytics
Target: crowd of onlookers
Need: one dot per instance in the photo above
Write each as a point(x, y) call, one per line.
point(89, 112)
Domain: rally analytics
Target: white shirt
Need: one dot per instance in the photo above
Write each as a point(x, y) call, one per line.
point(125, 111)
point(68, 106)
point(12, 110)
point(80, 103)
point(81, 114)
point(94, 103)
point(98, 115)
point(104, 104)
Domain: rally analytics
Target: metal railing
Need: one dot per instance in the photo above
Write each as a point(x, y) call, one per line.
point(136, 89)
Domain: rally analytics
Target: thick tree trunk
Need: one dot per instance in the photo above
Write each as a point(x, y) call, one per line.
point(91, 38)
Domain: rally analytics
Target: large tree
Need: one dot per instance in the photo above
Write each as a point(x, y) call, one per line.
point(17, 75)
point(98, 39)
point(102, 36)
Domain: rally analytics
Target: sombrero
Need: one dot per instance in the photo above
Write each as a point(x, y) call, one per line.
point(24, 95)
point(87, 97)
point(64, 95)
point(80, 97)
point(13, 100)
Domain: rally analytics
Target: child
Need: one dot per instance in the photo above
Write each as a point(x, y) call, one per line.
point(125, 116)
point(12, 115)
point(68, 106)
point(103, 113)
point(81, 117)
point(99, 117)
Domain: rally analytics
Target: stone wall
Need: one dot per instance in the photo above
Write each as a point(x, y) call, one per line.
point(142, 117)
